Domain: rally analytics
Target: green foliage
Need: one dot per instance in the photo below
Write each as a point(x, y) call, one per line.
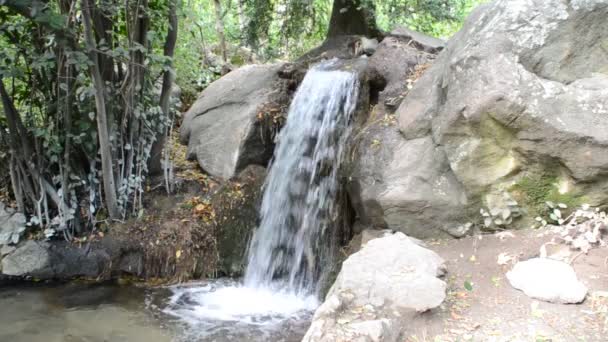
point(541, 189)
point(45, 69)
point(286, 29)
point(439, 18)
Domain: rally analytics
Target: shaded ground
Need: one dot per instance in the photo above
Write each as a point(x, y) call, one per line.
point(491, 310)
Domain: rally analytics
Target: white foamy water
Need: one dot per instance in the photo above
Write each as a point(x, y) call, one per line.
point(293, 244)
point(226, 311)
point(234, 302)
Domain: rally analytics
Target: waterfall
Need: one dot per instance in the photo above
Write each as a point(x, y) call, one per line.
point(291, 246)
point(291, 250)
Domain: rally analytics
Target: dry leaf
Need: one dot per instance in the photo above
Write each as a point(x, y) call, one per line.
point(504, 258)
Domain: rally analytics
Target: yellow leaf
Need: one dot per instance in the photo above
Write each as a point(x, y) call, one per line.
point(178, 254)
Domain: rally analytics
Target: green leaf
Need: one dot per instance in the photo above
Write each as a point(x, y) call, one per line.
point(468, 285)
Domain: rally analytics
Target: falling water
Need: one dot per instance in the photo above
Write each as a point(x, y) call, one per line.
point(291, 250)
point(291, 245)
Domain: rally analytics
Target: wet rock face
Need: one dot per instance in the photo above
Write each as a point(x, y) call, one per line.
point(379, 288)
point(236, 206)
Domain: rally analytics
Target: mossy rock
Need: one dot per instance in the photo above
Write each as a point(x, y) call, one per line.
point(236, 209)
point(534, 191)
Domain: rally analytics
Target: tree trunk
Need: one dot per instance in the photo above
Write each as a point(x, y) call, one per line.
point(351, 17)
point(242, 21)
point(219, 26)
point(107, 167)
point(155, 165)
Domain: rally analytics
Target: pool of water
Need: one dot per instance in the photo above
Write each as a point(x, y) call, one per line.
point(219, 311)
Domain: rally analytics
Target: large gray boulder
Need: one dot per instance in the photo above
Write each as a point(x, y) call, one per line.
point(395, 183)
point(405, 185)
point(520, 91)
point(512, 113)
point(222, 128)
point(390, 280)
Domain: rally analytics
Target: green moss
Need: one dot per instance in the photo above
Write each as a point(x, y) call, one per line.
point(535, 191)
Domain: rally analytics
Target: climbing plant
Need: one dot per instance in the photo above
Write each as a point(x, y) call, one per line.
point(83, 84)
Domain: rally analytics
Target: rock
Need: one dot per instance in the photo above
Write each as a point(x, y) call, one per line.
point(548, 280)
point(396, 60)
point(341, 47)
point(519, 94)
point(369, 46)
point(369, 234)
point(12, 225)
point(60, 260)
point(30, 259)
point(427, 43)
point(414, 191)
point(6, 250)
point(388, 281)
point(222, 128)
point(236, 206)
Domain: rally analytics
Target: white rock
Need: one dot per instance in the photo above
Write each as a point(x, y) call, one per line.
point(548, 280)
point(12, 225)
point(32, 258)
point(390, 275)
point(6, 250)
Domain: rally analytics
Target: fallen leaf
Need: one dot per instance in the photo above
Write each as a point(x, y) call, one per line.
point(468, 285)
point(504, 235)
point(455, 316)
point(505, 258)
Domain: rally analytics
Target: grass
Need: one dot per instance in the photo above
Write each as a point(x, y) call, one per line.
point(537, 190)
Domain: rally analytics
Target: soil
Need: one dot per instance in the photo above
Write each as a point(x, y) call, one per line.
point(482, 306)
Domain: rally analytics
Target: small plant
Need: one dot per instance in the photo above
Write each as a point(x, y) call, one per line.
point(555, 214)
point(500, 218)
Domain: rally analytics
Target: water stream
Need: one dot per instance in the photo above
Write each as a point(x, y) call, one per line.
point(290, 252)
point(291, 246)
